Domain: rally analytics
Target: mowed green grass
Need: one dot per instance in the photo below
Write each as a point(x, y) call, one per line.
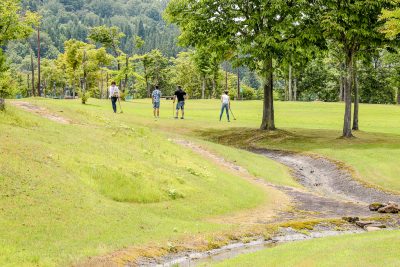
point(95, 186)
point(104, 183)
point(307, 127)
point(367, 250)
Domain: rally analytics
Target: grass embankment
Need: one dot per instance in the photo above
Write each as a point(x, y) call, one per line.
point(76, 193)
point(370, 249)
point(102, 184)
point(305, 127)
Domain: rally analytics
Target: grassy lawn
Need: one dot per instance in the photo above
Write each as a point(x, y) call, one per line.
point(109, 181)
point(367, 250)
point(102, 184)
point(307, 127)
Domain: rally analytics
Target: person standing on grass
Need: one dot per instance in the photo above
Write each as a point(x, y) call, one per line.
point(225, 105)
point(156, 97)
point(114, 95)
point(181, 96)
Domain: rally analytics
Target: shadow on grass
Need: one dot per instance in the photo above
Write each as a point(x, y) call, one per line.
point(298, 139)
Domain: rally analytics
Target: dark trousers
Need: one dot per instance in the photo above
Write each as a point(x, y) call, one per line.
point(114, 100)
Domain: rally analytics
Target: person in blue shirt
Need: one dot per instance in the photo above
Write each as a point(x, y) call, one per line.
point(156, 98)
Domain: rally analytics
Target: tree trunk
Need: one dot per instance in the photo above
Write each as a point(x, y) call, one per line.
point(126, 73)
point(341, 88)
point(290, 83)
point(238, 84)
point(2, 104)
point(268, 120)
point(398, 96)
point(147, 80)
point(203, 88)
point(33, 76)
point(226, 76)
point(119, 69)
point(38, 44)
point(295, 89)
point(28, 80)
point(107, 86)
point(44, 87)
point(347, 95)
point(101, 85)
point(356, 97)
point(148, 87)
point(214, 87)
point(73, 87)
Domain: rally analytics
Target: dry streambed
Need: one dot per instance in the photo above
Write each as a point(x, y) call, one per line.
point(330, 192)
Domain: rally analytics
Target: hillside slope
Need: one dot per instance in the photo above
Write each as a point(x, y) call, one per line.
point(97, 185)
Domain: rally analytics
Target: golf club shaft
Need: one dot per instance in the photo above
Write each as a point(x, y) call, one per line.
point(232, 113)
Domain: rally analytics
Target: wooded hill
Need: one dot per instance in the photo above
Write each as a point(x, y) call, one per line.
point(62, 20)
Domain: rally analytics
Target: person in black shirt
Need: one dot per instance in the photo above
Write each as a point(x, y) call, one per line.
point(181, 96)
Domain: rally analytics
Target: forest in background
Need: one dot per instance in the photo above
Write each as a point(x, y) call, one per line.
point(148, 54)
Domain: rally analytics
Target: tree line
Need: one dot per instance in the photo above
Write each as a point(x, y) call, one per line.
point(271, 50)
point(265, 35)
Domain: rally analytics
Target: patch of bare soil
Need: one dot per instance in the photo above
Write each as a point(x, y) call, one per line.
point(327, 179)
point(330, 193)
point(254, 216)
point(307, 203)
point(43, 112)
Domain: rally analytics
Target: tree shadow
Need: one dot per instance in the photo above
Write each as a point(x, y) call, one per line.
point(296, 139)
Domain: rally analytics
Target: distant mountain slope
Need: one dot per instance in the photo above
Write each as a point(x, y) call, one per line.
point(66, 19)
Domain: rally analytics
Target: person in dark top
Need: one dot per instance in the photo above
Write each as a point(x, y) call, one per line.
point(181, 96)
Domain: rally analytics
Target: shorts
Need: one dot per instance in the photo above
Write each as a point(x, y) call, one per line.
point(156, 104)
point(180, 105)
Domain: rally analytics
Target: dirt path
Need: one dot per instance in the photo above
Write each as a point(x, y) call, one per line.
point(254, 216)
point(308, 203)
point(43, 112)
point(330, 192)
point(326, 178)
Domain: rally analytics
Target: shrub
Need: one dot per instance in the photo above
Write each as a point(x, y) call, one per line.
point(85, 97)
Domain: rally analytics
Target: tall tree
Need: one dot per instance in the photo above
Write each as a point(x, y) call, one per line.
point(154, 67)
point(110, 38)
point(203, 65)
point(353, 24)
point(14, 24)
point(73, 59)
point(259, 29)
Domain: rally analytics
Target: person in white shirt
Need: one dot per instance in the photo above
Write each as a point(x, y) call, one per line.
point(225, 105)
point(114, 95)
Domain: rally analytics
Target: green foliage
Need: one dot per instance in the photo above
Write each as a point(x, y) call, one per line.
point(8, 86)
point(15, 24)
point(392, 25)
point(109, 37)
point(155, 72)
point(258, 30)
point(73, 19)
point(183, 73)
point(85, 97)
point(318, 82)
point(375, 85)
